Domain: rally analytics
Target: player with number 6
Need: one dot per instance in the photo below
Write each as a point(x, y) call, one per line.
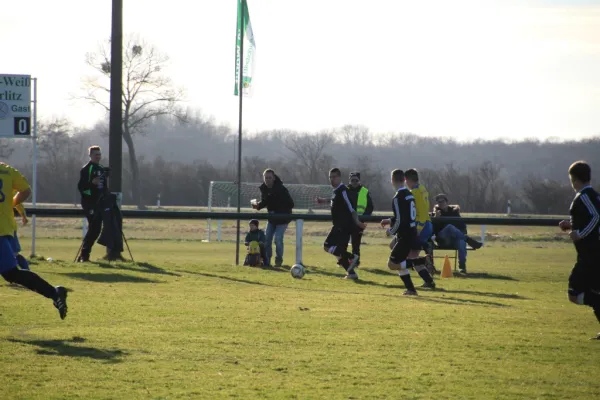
point(404, 229)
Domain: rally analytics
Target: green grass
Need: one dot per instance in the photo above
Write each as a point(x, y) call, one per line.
point(183, 322)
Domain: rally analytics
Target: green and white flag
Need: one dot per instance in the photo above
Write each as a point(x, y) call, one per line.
point(244, 30)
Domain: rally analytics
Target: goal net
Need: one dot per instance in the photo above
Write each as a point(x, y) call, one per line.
point(222, 197)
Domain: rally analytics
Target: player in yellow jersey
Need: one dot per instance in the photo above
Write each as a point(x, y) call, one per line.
point(21, 261)
point(11, 179)
point(424, 226)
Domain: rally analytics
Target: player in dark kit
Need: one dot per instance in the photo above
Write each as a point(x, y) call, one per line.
point(345, 221)
point(584, 230)
point(403, 227)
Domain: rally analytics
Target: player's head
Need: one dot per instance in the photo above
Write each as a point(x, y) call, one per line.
point(354, 179)
point(335, 177)
point(397, 178)
point(95, 154)
point(580, 174)
point(253, 224)
point(412, 178)
point(269, 177)
point(441, 201)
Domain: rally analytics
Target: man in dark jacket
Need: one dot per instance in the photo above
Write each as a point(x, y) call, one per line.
point(361, 200)
point(92, 186)
point(452, 234)
point(277, 200)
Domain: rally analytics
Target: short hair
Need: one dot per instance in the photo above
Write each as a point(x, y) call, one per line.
point(581, 171)
point(355, 175)
point(441, 196)
point(92, 148)
point(412, 174)
point(266, 171)
point(335, 171)
point(398, 175)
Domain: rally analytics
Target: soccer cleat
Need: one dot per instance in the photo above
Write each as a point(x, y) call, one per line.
point(597, 337)
point(430, 285)
point(278, 263)
point(429, 265)
point(410, 293)
point(61, 301)
point(353, 276)
point(353, 262)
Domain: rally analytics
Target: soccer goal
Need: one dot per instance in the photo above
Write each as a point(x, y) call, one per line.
point(222, 197)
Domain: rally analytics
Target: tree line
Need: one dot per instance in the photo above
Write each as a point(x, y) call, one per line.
point(484, 186)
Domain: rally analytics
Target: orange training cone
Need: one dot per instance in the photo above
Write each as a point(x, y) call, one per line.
point(446, 269)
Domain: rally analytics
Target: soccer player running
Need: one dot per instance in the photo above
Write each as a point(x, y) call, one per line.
point(584, 230)
point(423, 220)
point(21, 261)
point(403, 227)
point(345, 221)
point(11, 179)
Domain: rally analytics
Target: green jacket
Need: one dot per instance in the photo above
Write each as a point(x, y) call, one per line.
point(256, 236)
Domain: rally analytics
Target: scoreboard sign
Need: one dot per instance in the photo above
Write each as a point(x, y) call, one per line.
point(15, 105)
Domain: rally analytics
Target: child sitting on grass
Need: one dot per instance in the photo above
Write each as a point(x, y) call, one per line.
point(258, 236)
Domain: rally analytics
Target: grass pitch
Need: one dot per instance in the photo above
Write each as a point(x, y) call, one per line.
point(182, 322)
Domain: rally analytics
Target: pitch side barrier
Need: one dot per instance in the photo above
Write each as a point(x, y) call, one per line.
point(147, 214)
point(298, 218)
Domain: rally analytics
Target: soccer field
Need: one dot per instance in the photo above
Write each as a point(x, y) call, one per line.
point(184, 323)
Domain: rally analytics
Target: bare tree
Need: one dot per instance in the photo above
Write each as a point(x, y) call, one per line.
point(147, 93)
point(253, 169)
point(310, 152)
point(62, 153)
point(6, 148)
point(547, 196)
point(355, 135)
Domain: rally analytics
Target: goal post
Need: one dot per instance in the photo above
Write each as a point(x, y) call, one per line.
point(222, 197)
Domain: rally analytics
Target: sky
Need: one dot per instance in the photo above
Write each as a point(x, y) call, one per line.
point(469, 69)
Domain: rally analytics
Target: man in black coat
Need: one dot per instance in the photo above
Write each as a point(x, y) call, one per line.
point(276, 198)
point(92, 186)
point(361, 200)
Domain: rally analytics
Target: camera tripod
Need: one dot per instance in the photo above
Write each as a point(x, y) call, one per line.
point(99, 205)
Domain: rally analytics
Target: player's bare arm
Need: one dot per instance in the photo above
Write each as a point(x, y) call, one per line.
point(21, 197)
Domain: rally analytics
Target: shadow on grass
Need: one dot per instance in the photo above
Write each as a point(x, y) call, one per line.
point(458, 301)
point(375, 271)
point(340, 274)
point(475, 275)
point(397, 295)
point(137, 267)
point(283, 268)
point(108, 278)
point(484, 275)
point(67, 348)
point(486, 294)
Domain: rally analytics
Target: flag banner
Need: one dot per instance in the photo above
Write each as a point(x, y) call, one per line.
point(244, 30)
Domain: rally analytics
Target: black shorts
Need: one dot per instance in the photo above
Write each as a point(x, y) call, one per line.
point(585, 276)
point(338, 236)
point(404, 245)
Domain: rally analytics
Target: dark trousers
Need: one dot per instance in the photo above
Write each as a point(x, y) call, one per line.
point(356, 238)
point(94, 219)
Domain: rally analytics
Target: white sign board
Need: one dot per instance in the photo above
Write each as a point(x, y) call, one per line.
point(15, 105)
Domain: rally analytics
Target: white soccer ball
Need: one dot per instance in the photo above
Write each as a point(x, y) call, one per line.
point(49, 259)
point(297, 271)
